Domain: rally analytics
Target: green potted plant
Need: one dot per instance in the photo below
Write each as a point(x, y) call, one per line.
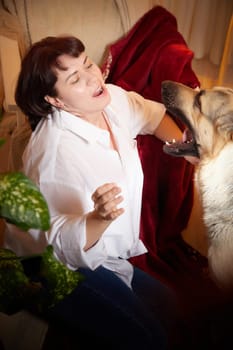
point(34, 282)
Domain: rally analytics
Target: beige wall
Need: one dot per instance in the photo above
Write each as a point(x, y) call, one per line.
point(203, 24)
point(96, 22)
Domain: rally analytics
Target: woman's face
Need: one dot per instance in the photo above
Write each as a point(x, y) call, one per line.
point(80, 88)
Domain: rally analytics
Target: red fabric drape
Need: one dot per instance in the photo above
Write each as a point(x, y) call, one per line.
point(153, 51)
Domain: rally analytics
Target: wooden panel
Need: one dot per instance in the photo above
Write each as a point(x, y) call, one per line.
point(10, 67)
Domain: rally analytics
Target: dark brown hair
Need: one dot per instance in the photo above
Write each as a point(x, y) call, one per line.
point(37, 76)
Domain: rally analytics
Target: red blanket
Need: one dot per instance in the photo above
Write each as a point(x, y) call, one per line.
point(151, 52)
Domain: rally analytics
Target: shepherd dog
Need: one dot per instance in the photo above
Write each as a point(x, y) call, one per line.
point(208, 117)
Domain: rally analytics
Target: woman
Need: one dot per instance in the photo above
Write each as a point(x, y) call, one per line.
point(83, 156)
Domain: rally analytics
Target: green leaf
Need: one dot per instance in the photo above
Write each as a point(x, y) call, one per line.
point(13, 281)
point(21, 202)
point(60, 280)
point(35, 282)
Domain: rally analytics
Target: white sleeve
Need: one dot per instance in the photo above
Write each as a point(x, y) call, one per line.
point(146, 114)
point(67, 233)
point(142, 116)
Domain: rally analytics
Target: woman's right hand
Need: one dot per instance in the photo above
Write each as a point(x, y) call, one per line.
point(106, 199)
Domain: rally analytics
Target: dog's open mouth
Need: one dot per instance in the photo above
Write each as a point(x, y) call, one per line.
point(185, 147)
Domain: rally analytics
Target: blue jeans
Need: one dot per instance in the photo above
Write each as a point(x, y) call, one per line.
point(105, 311)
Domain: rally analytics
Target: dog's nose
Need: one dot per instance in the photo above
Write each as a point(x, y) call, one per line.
point(168, 91)
point(168, 85)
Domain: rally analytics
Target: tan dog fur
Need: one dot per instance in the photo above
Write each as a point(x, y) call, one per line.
point(209, 115)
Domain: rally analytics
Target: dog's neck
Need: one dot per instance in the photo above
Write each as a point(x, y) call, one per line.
point(215, 183)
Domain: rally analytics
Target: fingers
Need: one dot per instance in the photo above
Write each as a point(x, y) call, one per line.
point(106, 200)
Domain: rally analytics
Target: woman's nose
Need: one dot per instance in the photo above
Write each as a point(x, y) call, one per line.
point(91, 78)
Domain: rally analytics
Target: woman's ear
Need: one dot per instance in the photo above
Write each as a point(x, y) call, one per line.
point(54, 101)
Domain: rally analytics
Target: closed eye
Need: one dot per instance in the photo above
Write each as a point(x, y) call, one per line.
point(75, 81)
point(89, 65)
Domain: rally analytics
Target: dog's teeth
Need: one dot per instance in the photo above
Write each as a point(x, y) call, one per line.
point(170, 142)
point(189, 141)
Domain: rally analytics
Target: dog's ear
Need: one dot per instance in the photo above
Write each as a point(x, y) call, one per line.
point(224, 125)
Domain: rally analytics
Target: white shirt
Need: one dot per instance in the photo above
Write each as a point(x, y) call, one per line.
point(68, 158)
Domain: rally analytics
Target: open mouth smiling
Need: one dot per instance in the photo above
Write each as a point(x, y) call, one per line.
point(98, 92)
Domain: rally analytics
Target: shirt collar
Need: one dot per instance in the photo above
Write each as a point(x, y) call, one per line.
point(78, 126)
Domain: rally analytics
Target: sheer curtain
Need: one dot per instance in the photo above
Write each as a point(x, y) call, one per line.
point(207, 28)
point(205, 24)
